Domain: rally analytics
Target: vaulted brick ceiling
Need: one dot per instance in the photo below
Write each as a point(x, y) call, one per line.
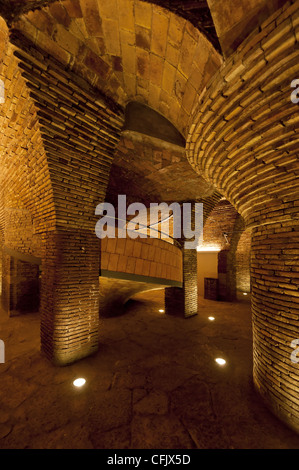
point(130, 50)
point(136, 51)
point(196, 11)
point(145, 169)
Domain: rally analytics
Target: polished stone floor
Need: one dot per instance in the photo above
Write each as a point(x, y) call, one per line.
point(153, 384)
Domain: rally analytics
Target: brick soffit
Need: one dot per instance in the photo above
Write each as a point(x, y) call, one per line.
point(196, 11)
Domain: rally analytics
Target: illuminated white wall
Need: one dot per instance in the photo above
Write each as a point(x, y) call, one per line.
point(207, 266)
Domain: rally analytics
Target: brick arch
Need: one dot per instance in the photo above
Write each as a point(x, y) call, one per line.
point(26, 194)
point(131, 51)
point(222, 231)
point(244, 133)
point(244, 140)
point(25, 180)
point(80, 128)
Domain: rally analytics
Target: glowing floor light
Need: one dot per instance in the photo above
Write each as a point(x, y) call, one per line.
point(220, 361)
point(211, 249)
point(79, 382)
point(244, 293)
point(211, 318)
point(161, 310)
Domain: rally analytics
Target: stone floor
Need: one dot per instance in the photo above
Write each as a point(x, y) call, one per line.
point(153, 384)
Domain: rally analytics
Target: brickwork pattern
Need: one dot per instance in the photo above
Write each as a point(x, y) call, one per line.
point(244, 140)
point(26, 191)
point(183, 301)
point(143, 256)
point(79, 130)
point(233, 24)
point(70, 296)
point(26, 194)
point(243, 254)
point(153, 171)
point(221, 220)
point(131, 50)
point(275, 300)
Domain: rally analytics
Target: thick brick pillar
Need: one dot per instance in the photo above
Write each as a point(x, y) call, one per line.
point(80, 129)
point(275, 308)
point(20, 283)
point(182, 301)
point(70, 295)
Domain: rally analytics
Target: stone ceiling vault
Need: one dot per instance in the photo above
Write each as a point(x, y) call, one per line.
point(130, 50)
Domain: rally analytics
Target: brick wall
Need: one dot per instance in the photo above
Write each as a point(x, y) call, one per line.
point(183, 302)
point(243, 262)
point(143, 256)
point(221, 220)
point(275, 273)
point(20, 285)
point(25, 185)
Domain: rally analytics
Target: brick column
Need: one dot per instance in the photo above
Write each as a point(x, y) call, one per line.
point(80, 130)
point(182, 301)
point(70, 295)
point(275, 308)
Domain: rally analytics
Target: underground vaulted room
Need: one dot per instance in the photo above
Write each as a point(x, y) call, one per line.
point(114, 333)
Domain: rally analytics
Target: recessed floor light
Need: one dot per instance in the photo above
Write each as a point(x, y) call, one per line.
point(220, 361)
point(161, 310)
point(211, 318)
point(79, 382)
point(244, 293)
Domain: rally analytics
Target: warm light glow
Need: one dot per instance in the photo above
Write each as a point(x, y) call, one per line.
point(79, 382)
point(244, 293)
point(211, 318)
point(220, 361)
point(161, 310)
point(208, 248)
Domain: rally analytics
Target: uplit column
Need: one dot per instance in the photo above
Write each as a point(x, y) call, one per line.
point(275, 308)
point(182, 301)
point(70, 295)
point(80, 130)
